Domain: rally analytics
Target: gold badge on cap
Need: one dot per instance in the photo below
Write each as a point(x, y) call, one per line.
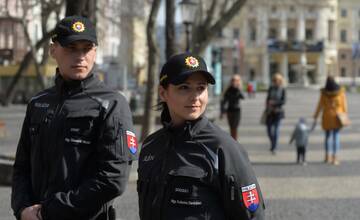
point(191, 62)
point(78, 26)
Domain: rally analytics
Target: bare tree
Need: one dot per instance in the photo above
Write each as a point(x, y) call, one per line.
point(47, 8)
point(219, 14)
point(72, 7)
point(170, 28)
point(153, 63)
point(31, 54)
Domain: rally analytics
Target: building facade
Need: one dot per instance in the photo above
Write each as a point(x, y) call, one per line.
point(349, 40)
point(297, 38)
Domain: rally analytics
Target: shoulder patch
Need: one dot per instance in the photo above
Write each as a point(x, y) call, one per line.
point(132, 143)
point(250, 197)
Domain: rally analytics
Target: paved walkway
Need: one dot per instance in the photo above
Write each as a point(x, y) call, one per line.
point(316, 191)
point(292, 192)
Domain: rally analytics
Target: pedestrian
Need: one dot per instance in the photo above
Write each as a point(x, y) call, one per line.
point(332, 101)
point(190, 168)
point(77, 141)
point(276, 97)
point(230, 104)
point(301, 137)
point(250, 88)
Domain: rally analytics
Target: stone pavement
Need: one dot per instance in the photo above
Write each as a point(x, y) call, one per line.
point(316, 191)
point(293, 192)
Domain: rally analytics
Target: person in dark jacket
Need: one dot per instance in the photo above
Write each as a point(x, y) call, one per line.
point(77, 141)
point(190, 168)
point(230, 104)
point(275, 100)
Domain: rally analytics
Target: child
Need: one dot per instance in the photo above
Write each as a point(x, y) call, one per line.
point(301, 136)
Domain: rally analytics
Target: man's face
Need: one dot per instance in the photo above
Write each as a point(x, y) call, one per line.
point(76, 60)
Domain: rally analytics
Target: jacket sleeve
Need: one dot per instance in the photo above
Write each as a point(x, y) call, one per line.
point(21, 183)
point(241, 192)
point(116, 148)
point(241, 94)
point(282, 100)
point(319, 106)
point(224, 102)
point(345, 105)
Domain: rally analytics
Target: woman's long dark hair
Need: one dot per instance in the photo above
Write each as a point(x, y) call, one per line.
point(331, 84)
point(162, 106)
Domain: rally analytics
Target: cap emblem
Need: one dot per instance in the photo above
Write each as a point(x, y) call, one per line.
point(191, 62)
point(78, 26)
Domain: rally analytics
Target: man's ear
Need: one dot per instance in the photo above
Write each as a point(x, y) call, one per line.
point(161, 92)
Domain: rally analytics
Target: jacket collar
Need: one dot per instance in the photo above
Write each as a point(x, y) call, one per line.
point(74, 86)
point(332, 93)
point(188, 130)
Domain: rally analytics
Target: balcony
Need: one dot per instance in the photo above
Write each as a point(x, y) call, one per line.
point(294, 46)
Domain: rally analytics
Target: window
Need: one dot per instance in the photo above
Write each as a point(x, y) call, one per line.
point(220, 34)
point(273, 9)
point(309, 34)
point(253, 34)
point(291, 34)
point(235, 69)
point(252, 30)
point(236, 33)
point(343, 56)
point(343, 71)
point(292, 8)
point(343, 36)
point(343, 13)
point(273, 33)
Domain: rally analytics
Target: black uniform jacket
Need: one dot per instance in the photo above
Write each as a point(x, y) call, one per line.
point(231, 100)
point(196, 172)
point(75, 151)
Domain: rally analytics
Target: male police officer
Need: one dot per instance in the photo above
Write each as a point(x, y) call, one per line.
point(77, 142)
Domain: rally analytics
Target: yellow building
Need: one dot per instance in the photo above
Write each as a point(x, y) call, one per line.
point(349, 39)
point(295, 37)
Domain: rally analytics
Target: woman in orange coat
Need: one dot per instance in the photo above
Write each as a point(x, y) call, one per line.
point(332, 101)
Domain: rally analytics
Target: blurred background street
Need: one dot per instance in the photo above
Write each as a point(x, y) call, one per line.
point(316, 191)
point(304, 40)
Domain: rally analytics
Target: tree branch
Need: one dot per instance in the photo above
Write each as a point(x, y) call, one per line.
point(153, 61)
point(209, 15)
point(204, 34)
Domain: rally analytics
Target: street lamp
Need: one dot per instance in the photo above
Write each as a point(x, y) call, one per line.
point(188, 9)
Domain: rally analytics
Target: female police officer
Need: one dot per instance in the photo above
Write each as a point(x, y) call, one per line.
point(191, 169)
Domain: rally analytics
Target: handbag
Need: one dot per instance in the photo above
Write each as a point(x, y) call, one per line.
point(343, 118)
point(263, 117)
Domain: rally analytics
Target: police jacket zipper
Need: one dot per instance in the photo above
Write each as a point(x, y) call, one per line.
point(53, 124)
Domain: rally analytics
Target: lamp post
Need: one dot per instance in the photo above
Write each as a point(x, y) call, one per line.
point(188, 9)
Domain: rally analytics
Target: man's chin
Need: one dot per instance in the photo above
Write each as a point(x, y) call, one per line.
point(79, 75)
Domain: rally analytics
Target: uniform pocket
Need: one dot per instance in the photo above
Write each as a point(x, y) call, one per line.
point(185, 188)
point(190, 196)
point(80, 128)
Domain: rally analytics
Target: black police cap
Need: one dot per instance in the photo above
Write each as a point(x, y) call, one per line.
point(74, 28)
point(180, 66)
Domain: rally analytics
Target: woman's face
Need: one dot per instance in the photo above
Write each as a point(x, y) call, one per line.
point(186, 101)
point(236, 81)
point(277, 81)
